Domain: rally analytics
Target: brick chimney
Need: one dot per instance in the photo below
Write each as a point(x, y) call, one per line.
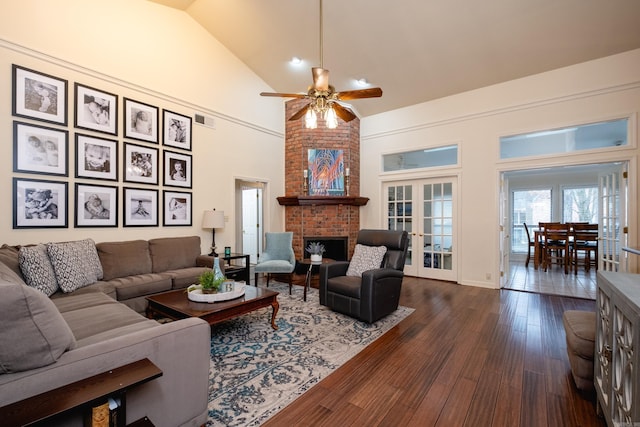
point(324, 216)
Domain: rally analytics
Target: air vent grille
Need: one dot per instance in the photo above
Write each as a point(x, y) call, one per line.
point(205, 121)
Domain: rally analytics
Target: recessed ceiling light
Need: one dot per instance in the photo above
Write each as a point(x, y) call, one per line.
point(362, 82)
point(296, 61)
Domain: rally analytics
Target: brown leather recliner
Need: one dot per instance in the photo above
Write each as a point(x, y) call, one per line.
point(375, 294)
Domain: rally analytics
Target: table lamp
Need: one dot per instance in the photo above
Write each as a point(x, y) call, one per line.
point(213, 219)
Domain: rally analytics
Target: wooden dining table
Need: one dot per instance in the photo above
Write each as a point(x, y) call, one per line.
point(537, 248)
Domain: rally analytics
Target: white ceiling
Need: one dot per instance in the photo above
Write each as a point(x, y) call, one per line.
point(415, 50)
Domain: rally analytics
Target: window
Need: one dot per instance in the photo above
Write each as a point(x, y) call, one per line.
point(532, 207)
point(580, 204)
point(566, 140)
point(429, 158)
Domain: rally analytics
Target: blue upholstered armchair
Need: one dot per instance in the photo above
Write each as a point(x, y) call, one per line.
point(277, 257)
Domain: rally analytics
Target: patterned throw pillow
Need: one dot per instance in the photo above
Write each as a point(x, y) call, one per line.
point(37, 269)
point(365, 258)
point(76, 264)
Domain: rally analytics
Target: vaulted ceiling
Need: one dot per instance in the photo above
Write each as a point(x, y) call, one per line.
point(415, 50)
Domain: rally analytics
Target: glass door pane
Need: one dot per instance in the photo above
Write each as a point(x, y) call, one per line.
point(399, 213)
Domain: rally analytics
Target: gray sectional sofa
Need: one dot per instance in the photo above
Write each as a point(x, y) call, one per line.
point(47, 341)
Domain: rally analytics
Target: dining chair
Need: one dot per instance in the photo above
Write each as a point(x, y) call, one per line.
point(585, 242)
point(530, 245)
point(556, 245)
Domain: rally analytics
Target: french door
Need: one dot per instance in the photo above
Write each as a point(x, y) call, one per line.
point(613, 230)
point(425, 208)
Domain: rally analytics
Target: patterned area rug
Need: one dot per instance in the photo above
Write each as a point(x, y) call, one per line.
point(255, 371)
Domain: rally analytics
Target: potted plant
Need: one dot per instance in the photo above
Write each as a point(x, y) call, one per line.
point(209, 283)
point(315, 249)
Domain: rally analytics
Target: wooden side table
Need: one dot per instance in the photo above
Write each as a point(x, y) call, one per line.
point(238, 270)
point(83, 394)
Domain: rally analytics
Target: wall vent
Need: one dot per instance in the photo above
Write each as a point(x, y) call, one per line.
point(205, 121)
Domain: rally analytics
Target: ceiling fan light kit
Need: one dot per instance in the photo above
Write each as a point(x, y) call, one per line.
point(324, 101)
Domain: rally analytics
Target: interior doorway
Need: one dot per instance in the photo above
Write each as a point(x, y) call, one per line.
point(551, 194)
point(249, 205)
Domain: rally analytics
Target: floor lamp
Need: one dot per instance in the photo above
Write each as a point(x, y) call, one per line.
point(213, 219)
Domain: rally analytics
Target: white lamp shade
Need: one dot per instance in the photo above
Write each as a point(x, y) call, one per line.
point(213, 219)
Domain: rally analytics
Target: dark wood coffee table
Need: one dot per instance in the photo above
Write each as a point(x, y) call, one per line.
point(176, 305)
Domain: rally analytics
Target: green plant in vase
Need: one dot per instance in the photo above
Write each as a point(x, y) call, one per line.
point(209, 283)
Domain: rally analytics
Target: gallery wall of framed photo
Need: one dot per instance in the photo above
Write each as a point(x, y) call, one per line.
point(85, 156)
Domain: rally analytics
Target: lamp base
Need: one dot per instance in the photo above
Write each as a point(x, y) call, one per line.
point(213, 251)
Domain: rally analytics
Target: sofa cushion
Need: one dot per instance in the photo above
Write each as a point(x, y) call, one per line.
point(9, 255)
point(365, 258)
point(76, 264)
point(121, 259)
point(37, 269)
point(8, 275)
point(33, 332)
point(172, 253)
point(141, 285)
point(97, 319)
point(185, 276)
point(77, 301)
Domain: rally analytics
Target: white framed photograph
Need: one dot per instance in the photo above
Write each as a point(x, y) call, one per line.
point(39, 96)
point(140, 207)
point(140, 121)
point(38, 204)
point(40, 149)
point(177, 208)
point(177, 169)
point(176, 130)
point(96, 110)
point(96, 158)
point(96, 206)
point(140, 164)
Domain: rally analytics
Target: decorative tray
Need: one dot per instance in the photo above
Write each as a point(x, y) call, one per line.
point(194, 293)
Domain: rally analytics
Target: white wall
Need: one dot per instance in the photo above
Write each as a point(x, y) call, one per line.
point(158, 55)
point(590, 92)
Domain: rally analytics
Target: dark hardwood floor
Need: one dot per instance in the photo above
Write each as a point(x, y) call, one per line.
point(467, 356)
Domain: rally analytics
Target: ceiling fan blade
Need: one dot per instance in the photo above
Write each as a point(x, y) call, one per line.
point(284, 95)
point(343, 112)
point(301, 112)
point(320, 79)
point(374, 92)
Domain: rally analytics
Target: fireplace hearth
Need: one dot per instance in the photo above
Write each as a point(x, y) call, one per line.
point(335, 246)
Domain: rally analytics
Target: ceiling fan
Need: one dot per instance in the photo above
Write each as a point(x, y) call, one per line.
point(323, 98)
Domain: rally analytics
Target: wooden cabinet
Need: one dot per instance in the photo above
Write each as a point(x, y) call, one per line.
point(616, 364)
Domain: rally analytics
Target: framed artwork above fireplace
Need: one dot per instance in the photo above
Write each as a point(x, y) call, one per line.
point(326, 172)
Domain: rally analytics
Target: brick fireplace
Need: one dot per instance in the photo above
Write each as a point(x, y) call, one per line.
point(320, 216)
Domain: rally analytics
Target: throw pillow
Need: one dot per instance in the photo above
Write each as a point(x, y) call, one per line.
point(76, 264)
point(365, 258)
point(33, 332)
point(37, 269)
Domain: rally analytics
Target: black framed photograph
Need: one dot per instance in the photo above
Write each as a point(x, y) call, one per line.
point(140, 121)
point(177, 169)
point(40, 149)
point(96, 206)
point(140, 207)
point(38, 203)
point(177, 208)
point(140, 164)
point(176, 130)
point(96, 110)
point(39, 96)
point(96, 158)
